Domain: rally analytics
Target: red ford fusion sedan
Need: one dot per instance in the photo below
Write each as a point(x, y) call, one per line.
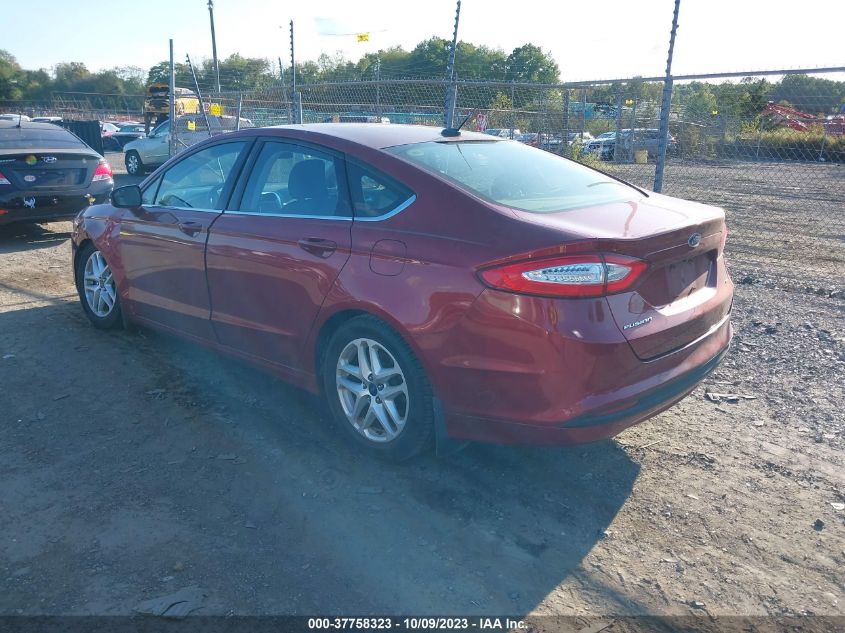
point(430, 284)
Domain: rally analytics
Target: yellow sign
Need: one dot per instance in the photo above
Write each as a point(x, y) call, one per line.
point(715, 113)
point(363, 37)
point(215, 109)
point(192, 126)
point(629, 102)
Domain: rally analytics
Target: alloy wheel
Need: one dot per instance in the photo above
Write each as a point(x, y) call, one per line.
point(98, 284)
point(372, 390)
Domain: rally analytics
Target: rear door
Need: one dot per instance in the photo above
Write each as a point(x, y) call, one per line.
point(273, 256)
point(162, 243)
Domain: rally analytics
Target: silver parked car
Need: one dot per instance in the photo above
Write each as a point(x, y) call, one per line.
point(145, 154)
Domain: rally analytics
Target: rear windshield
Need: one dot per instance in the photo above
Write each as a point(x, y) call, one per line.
point(41, 138)
point(517, 176)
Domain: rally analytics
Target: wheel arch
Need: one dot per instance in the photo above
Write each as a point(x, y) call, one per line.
point(332, 322)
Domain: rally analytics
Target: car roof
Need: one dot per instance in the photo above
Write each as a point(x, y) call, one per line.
point(380, 136)
point(28, 125)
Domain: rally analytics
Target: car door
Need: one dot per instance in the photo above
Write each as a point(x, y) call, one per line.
point(273, 256)
point(162, 243)
point(156, 147)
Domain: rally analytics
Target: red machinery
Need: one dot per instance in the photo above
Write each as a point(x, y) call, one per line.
point(801, 121)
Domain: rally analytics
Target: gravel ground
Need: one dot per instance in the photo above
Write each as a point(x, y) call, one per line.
point(133, 465)
point(786, 220)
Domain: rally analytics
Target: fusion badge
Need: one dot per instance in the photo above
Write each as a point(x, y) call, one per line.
point(636, 323)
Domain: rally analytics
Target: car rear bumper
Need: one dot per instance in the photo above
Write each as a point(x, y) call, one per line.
point(556, 378)
point(45, 206)
point(592, 426)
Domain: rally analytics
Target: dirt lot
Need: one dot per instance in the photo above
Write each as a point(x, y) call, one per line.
point(133, 465)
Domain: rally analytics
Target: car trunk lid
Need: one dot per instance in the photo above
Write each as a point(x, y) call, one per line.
point(49, 170)
point(675, 301)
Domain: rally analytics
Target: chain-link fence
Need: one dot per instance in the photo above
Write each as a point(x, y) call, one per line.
point(768, 147)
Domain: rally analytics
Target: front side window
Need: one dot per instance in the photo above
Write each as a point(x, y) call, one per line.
point(148, 195)
point(164, 128)
point(197, 181)
point(290, 179)
point(517, 176)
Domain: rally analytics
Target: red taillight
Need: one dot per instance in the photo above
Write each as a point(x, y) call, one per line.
point(103, 172)
point(4, 180)
point(592, 275)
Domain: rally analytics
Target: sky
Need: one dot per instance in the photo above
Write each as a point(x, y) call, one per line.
point(589, 40)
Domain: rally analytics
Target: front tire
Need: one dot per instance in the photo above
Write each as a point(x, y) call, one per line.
point(134, 165)
point(377, 390)
point(97, 289)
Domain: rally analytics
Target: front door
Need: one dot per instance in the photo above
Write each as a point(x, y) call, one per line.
point(273, 257)
point(162, 244)
point(157, 145)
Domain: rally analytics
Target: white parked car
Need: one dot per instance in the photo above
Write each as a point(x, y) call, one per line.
point(145, 154)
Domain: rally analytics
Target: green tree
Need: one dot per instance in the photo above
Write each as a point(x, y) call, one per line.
point(530, 64)
point(10, 76)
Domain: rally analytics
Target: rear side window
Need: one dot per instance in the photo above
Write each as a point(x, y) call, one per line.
point(38, 138)
point(373, 193)
point(516, 176)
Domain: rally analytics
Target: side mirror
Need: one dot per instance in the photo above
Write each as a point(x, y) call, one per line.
point(128, 197)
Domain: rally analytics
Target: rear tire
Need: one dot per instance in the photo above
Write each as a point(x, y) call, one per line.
point(134, 165)
point(97, 289)
point(377, 390)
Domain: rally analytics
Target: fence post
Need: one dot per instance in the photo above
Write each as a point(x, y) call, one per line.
point(297, 107)
point(285, 90)
point(632, 148)
point(583, 111)
point(564, 142)
point(617, 148)
point(663, 141)
point(240, 107)
point(378, 88)
point(199, 97)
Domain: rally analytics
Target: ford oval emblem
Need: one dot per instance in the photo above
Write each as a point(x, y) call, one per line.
point(49, 159)
point(694, 240)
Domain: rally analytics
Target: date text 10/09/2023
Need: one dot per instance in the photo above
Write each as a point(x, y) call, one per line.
point(417, 624)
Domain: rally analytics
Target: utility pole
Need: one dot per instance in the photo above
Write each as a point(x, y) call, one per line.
point(664, 108)
point(214, 43)
point(451, 89)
